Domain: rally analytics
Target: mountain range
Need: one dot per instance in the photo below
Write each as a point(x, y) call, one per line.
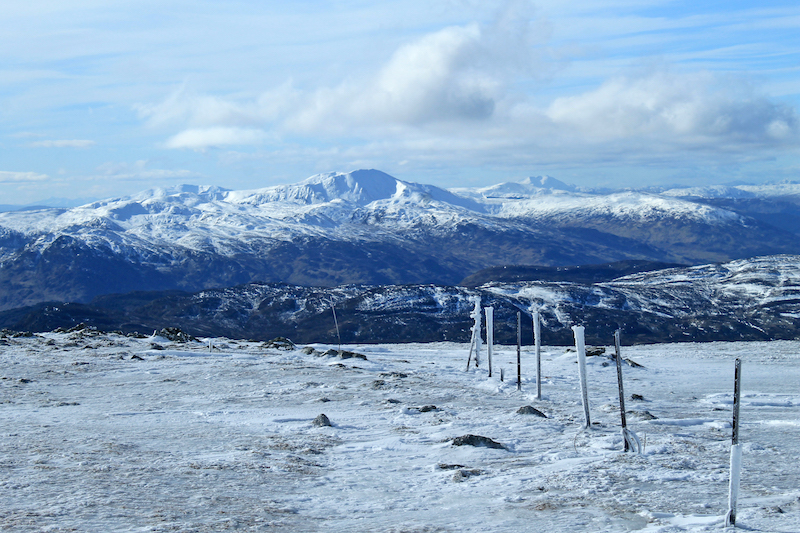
point(755, 299)
point(368, 228)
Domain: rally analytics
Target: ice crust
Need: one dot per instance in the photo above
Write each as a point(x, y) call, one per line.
point(100, 432)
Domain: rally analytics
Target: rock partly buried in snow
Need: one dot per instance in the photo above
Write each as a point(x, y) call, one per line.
point(342, 354)
point(280, 343)
point(321, 421)
point(637, 397)
point(175, 335)
point(464, 474)
point(530, 410)
point(632, 363)
point(642, 415)
point(477, 440)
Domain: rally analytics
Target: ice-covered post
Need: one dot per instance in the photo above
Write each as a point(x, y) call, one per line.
point(475, 341)
point(336, 323)
point(736, 449)
point(489, 336)
point(537, 342)
point(580, 347)
point(519, 349)
point(618, 357)
point(476, 329)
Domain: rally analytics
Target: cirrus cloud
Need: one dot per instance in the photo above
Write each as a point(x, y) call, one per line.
point(202, 138)
point(21, 177)
point(71, 143)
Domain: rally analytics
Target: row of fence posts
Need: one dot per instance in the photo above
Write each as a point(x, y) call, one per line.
point(630, 440)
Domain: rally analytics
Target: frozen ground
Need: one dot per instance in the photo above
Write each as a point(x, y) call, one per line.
point(106, 433)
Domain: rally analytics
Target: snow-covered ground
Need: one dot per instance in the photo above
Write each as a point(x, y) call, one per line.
point(108, 433)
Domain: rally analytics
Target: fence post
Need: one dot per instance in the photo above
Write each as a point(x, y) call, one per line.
point(519, 348)
point(489, 336)
point(336, 322)
point(736, 449)
point(537, 341)
point(580, 347)
point(618, 357)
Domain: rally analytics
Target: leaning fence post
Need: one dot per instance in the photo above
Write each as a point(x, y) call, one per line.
point(489, 336)
point(519, 348)
point(580, 347)
point(336, 322)
point(537, 341)
point(736, 449)
point(618, 357)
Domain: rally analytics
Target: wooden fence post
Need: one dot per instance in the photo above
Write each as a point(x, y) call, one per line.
point(618, 357)
point(489, 336)
point(519, 348)
point(537, 341)
point(736, 449)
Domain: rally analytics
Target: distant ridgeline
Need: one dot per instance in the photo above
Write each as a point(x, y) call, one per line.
point(366, 227)
point(755, 299)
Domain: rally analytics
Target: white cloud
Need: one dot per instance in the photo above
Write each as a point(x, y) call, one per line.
point(687, 109)
point(434, 78)
point(138, 171)
point(74, 143)
point(453, 75)
point(21, 177)
point(202, 138)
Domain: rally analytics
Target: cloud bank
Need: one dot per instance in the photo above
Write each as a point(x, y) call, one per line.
point(454, 91)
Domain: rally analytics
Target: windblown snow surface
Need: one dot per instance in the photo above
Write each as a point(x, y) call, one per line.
point(101, 432)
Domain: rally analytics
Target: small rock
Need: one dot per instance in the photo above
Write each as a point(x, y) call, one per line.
point(643, 415)
point(444, 466)
point(632, 363)
point(530, 410)
point(378, 384)
point(308, 350)
point(321, 421)
point(175, 335)
point(637, 397)
point(592, 351)
point(280, 343)
point(464, 474)
point(428, 408)
point(477, 440)
point(344, 354)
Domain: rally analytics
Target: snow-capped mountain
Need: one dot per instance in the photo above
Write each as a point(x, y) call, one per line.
point(359, 227)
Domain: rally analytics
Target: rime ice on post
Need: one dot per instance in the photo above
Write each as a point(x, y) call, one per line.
point(537, 341)
point(489, 336)
point(580, 347)
point(475, 342)
point(736, 450)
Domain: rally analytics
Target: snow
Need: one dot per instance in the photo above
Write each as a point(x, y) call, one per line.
point(102, 432)
point(358, 205)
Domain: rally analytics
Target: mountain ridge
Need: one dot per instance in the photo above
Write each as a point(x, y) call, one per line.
point(753, 299)
point(361, 227)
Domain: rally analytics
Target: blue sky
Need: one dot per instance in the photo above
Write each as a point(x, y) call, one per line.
point(102, 98)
